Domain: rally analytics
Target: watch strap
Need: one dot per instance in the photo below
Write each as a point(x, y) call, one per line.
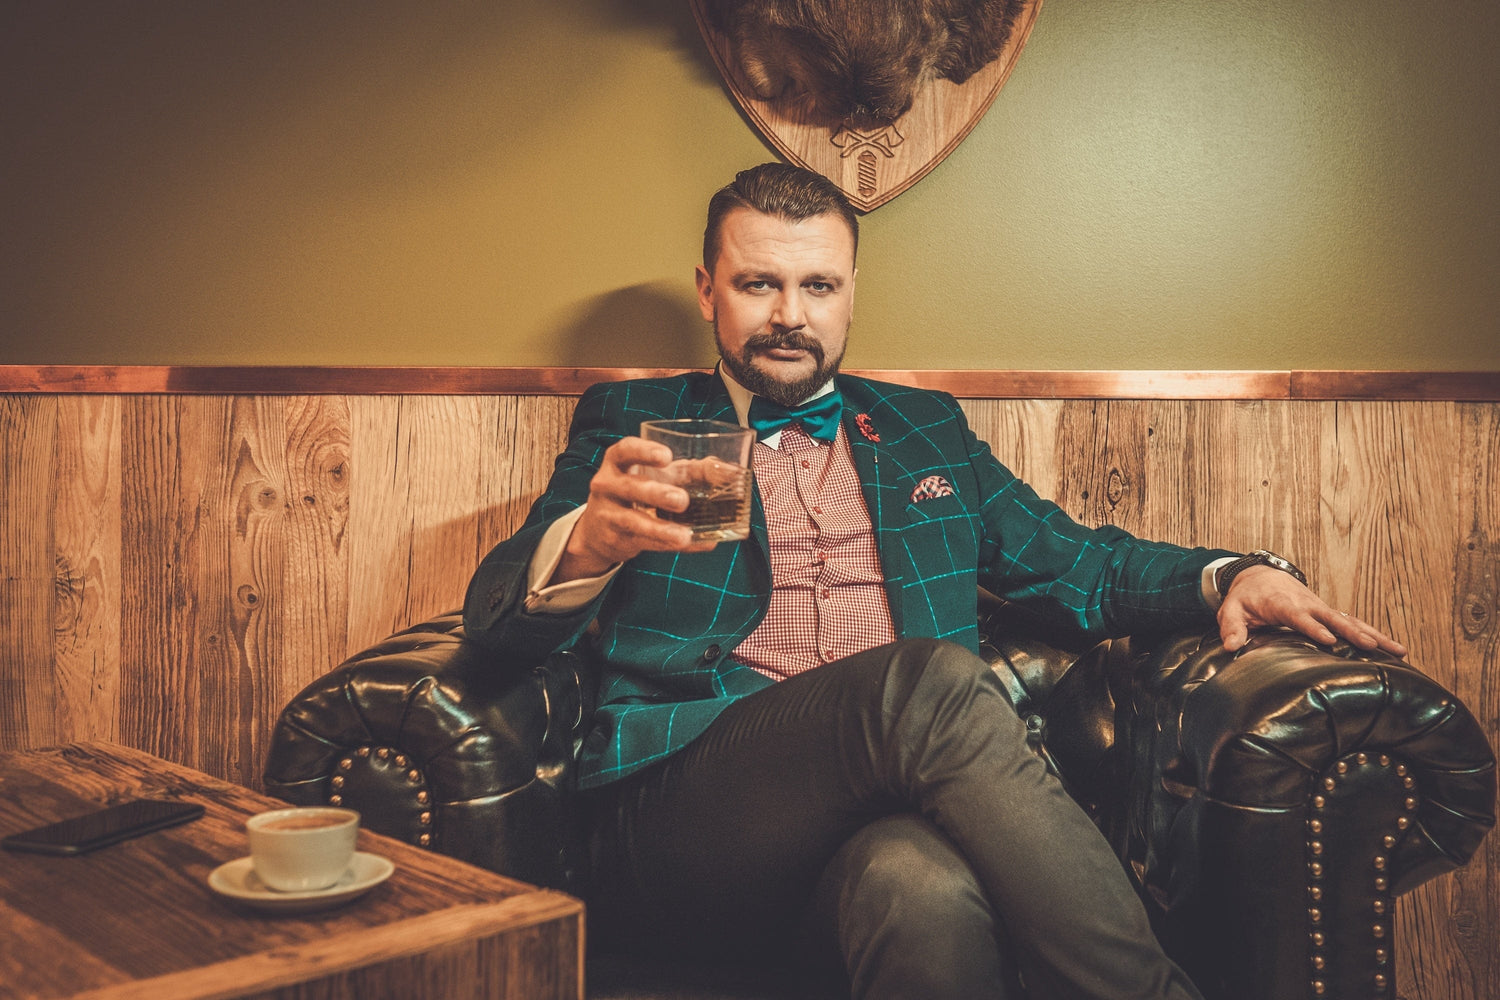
point(1260, 557)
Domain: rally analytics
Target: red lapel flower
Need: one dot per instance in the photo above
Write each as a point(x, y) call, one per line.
point(862, 421)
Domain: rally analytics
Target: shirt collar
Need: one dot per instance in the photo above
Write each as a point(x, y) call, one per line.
point(740, 397)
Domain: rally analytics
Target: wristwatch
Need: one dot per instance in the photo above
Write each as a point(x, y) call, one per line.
point(1260, 557)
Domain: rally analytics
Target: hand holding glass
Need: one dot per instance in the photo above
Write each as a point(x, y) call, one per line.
point(711, 460)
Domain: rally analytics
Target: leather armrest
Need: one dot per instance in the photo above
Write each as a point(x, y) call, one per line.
point(438, 744)
point(1064, 688)
point(1282, 797)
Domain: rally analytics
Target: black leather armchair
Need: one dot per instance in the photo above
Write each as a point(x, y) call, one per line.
point(1269, 805)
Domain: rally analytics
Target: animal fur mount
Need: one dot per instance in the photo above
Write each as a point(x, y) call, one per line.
point(870, 93)
point(860, 62)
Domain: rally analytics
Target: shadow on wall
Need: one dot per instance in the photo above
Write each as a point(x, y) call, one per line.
point(642, 326)
point(672, 15)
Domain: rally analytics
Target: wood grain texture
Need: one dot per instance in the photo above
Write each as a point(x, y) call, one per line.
point(1449, 926)
point(315, 583)
point(177, 565)
point(137, 922)
point(28, 684)
point(87, 538)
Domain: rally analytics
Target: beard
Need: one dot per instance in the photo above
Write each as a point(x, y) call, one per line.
point(762, 383)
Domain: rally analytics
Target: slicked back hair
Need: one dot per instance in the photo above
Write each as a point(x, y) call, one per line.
point(779, 190)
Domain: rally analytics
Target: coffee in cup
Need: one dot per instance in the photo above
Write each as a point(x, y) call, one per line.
point(302, 849)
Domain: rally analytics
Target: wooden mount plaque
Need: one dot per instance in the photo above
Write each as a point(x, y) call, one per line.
point(873, 167)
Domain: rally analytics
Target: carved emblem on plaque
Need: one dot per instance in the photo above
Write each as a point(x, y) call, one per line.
point(870, 93)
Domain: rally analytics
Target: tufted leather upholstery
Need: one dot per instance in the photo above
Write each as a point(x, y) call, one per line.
point(1269, 805)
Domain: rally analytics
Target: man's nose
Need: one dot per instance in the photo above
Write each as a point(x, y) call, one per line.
point(788, 312)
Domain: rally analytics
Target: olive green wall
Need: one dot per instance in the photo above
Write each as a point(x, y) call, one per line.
point(1168, 184)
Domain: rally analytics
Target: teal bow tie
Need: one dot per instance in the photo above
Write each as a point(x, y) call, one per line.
point(819, 417)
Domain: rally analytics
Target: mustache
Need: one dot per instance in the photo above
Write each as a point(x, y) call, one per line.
point(793, 340)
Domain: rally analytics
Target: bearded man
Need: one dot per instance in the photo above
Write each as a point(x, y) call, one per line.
point(796, 744)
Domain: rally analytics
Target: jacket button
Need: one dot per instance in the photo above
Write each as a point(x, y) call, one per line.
point(712, 653)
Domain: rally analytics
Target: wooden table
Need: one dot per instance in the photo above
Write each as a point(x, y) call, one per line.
point(137, 920)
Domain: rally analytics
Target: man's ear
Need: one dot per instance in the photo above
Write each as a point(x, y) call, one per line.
point(705, 284)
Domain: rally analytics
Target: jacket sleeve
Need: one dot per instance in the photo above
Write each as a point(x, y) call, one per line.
point(494, 607)
point(1103, 581)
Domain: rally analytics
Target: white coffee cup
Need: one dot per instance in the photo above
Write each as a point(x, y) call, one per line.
point(302, 849)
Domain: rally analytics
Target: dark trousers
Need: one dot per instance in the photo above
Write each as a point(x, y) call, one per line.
point(886, 808)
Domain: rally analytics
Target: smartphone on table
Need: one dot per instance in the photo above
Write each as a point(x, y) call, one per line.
point(103, 827)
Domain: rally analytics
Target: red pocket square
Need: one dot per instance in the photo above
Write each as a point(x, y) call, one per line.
point(931, 488)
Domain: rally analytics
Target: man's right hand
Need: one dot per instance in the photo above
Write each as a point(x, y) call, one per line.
point(619, 521)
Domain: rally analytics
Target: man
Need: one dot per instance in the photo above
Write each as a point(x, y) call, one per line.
point(794, 730)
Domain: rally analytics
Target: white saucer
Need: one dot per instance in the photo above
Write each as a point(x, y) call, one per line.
point(237, 880)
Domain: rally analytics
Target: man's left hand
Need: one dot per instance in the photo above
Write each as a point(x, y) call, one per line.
point(1264, 597)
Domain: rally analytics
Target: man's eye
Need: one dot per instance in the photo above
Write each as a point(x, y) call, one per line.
point(820, 287)
point(756, 286)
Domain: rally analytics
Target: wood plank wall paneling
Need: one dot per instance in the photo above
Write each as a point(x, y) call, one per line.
point(28, 692)
point(87, 536)
point(174, 567)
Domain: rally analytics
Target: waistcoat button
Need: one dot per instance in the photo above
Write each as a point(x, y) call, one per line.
point(712, 653)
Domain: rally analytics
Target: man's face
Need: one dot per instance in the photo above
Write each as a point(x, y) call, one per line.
point(780, 298)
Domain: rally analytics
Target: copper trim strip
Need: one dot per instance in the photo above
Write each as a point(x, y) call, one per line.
point(1478, 386)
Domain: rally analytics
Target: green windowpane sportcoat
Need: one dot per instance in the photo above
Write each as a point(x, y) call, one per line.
point(669, 622)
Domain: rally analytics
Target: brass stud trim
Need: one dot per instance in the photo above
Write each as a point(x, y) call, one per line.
point(1411, 804)
point(1380, 862)
point(335, 800)
point(1316, 868)
point(1315, 915)
point(1378, 930)
point(384, 753)
point(422, 797)
point(1380, 884)
point(401, 760)
point(1330, 784)
point(338, 781)
point(363, 751)
point(425, 819)
point(1402, 822)
point(1315, 892)
point(1315, 826)
point(1385, 760)
point(1316, 846)
point(1319, 802)
point(413, 776)
point(1401, 769)
point(1362, 757)
point(1342, 767)
point(346, 763)
point(425, 840)
point(1318, 962)
point(1380, 906)
point(1317, 939)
